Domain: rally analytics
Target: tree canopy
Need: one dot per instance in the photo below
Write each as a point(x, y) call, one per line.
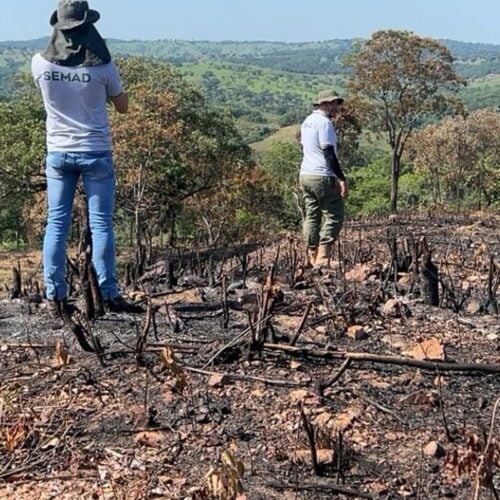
point(399, 81)
point(22, 152)
point(460, 159)
point(171, 145)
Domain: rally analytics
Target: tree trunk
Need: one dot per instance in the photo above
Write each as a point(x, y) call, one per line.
point(137, 226)
point(173, 222)
point(396, 163)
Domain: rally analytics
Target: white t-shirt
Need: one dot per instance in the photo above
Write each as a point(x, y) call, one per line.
point(317, 131)
point(75, 101)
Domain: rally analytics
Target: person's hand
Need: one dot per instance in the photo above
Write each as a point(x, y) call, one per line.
point(344, 188)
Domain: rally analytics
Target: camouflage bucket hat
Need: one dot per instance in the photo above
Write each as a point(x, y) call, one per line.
point(71, 14)
point(327, 96)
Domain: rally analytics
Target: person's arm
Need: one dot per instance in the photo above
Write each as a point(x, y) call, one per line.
point(333, 162)
point(327, 139)
point(114, 89)
point(334, 165)
point(120, 102)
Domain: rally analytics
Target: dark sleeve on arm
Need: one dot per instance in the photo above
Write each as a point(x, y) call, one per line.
point(333, 162)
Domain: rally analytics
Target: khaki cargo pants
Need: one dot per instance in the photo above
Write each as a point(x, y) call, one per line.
point(324, 209)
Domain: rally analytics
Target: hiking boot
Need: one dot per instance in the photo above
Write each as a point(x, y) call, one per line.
point(312, 254)
point(60, 309)
point(324, 254)
point(120, 305)
point(53, 309)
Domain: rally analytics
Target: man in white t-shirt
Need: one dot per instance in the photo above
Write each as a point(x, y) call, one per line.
point(77, 78)
point(322, 181)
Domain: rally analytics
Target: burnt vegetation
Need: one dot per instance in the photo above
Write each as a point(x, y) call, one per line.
point(249, 375)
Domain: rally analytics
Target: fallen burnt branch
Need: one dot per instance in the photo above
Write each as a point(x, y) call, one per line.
point(391, 360)
point(204, 307)
point(6, 473)
point(5, 347)
point(302, 324)
point(321, 386)
point(238, 340)
point(383, 409)
point(201, 317)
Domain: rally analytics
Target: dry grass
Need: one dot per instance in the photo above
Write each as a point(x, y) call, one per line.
point(30, 262)
point(285, 134)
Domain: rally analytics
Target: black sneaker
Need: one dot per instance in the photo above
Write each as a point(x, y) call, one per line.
point(121, 305)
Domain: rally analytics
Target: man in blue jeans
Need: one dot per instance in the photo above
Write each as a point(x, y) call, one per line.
point(77, 78)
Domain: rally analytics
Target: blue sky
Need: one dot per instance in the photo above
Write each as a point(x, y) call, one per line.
point(286, 20)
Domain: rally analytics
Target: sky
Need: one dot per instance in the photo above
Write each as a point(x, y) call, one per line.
point(276, 20)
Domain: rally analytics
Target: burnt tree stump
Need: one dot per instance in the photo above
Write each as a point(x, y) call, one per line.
point(15, 292)
point(94, 303)
point(430, 276)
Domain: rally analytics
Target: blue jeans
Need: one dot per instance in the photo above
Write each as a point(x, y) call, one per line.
point(63, 171)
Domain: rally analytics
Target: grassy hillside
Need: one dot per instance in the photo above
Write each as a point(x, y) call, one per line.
point(482, 92)
point(377, 145)
point(268, 85)
point(263, 100)
point(285, 134)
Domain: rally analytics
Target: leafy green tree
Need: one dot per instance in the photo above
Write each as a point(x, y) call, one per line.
point(398, 81)
point(370, 189)
point(22, 153)
point(460, 159)
point(281, 162)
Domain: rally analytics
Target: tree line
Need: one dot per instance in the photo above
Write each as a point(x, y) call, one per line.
point(185, 172)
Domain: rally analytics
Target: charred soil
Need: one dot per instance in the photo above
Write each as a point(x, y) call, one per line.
point(255, 378)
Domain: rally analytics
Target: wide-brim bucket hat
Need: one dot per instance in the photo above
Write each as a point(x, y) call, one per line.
point(71, 14)
point(328, 96)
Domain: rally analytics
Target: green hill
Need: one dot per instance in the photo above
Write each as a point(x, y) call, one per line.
point(285, 134)
point(267, 85)
point(262, 99)
point(482, 92)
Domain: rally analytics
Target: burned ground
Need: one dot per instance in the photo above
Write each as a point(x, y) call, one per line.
point(233, 365)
